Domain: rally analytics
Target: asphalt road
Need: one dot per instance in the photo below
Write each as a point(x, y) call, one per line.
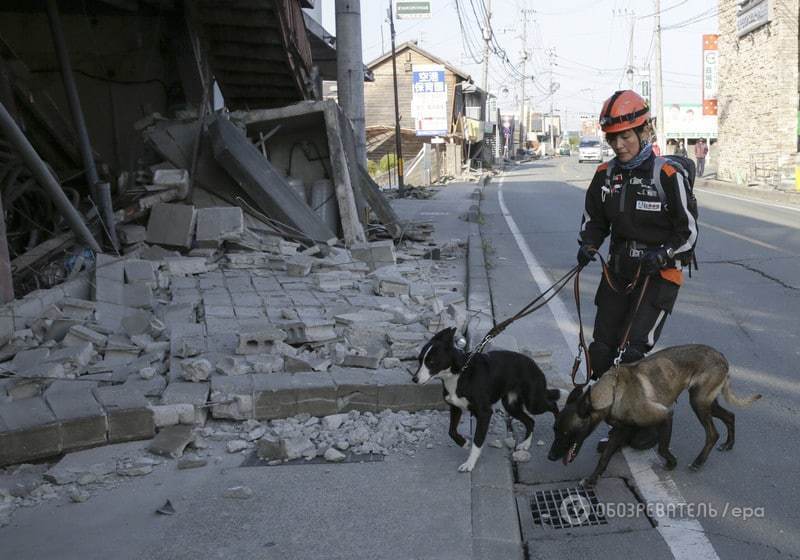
point(744, 301)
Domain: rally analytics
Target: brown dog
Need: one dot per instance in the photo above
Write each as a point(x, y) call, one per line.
point(643, 394)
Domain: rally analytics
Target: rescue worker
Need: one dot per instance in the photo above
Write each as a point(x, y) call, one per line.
point(645, 237)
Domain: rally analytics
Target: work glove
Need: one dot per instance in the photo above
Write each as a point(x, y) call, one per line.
point(654, 260)
point(586, 254)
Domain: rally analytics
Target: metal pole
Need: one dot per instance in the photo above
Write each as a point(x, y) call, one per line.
point(398, 142)
point(659, 83)
point(101, 196)
point(45, 178)
point(350, 70)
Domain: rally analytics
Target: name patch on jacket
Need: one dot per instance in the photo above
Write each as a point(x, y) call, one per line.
point(648, 206)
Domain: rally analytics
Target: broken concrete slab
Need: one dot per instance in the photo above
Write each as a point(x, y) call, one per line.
point(171, 441)
point(184, 392)
point(78, 335)
point(28, 431)
point(172, 225)
point(83, 420)
point(216, 225)
point(273, 396)
point(232, 397)
point(356, 389)
point(129, 417)
point(396, 391)
point(257, 176)
point(315, 394)
point(186, 266)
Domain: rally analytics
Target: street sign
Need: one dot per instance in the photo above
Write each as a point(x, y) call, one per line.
point(408, 9)
point(710, 74)
point(429, 99)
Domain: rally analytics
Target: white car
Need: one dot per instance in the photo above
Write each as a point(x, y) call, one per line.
point(590, 149)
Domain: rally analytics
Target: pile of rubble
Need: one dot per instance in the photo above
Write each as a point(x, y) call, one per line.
point(244, 325)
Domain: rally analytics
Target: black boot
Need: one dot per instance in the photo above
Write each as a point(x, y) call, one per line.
point(644, 438)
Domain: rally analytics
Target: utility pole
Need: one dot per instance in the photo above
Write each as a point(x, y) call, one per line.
point(350, 70)
point(659, 83)
point(551, 53)
point(524, 66)
point(398, 142)
point(487, 37)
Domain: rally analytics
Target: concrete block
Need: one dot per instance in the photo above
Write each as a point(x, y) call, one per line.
point(83, 420)
point(171, 224)
point(130, 234)
point(171, 441)
point(77, 309)
point(396, 392)
point(315, 394)
point(356, 389)
point(376, 254)
point(137, 323)
point(260, 342)
point(274, 396)
point(369, 361)
point(173, 414)
point(186, 266)
point(77, 356)
point(28, 431)
point(109, 291)
point(391, 286)
point(364, 316)
point(128, 413)
point(172, 179)
point(138, 295)
point(232, 397)
point(215, 225)
point(184, 392)
point(26, 311)
point(303, 332)
point(140, 271)
point(109, 267)
point(110, 315)
point(27, 359)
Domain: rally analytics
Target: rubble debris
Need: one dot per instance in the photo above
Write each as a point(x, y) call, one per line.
point(167, 508)
point(239, 492)
point(191, 462)
point(171, 441)
point(196, 369)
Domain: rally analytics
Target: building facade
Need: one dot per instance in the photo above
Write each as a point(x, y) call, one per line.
point(758, 98)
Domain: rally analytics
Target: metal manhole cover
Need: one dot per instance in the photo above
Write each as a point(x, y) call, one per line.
point(566, 508)
point(252, 460)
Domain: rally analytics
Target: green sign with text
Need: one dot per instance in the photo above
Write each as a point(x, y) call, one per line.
point(413, 9)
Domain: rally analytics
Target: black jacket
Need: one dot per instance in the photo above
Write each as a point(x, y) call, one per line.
point(639, 217)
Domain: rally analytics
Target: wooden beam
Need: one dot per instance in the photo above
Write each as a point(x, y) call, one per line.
point(6, 282)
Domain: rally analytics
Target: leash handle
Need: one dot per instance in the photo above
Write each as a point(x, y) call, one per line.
point(582, 348)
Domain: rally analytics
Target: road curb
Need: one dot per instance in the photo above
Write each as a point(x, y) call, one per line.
point(753, 193)
point(495, 522)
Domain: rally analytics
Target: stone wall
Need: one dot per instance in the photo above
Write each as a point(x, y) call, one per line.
point(758, 96)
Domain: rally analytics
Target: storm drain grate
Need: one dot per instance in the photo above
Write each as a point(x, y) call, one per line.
point(567, 508)
point(253, 460)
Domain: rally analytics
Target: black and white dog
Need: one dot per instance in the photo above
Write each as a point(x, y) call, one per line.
point(491, 376)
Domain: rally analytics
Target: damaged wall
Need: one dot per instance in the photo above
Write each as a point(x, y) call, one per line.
point(124, 66)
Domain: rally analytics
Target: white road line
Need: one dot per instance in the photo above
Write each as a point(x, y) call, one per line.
point(750, 200)
point(684, 537)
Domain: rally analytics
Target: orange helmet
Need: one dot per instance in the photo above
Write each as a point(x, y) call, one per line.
point(623, 110)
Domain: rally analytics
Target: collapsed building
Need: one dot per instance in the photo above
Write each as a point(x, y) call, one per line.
point(189, 231)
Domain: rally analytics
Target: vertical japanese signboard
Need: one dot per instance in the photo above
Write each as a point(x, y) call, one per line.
point(710, 74)
point(429, 100)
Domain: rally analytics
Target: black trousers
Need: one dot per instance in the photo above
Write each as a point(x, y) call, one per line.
point(614, 312)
